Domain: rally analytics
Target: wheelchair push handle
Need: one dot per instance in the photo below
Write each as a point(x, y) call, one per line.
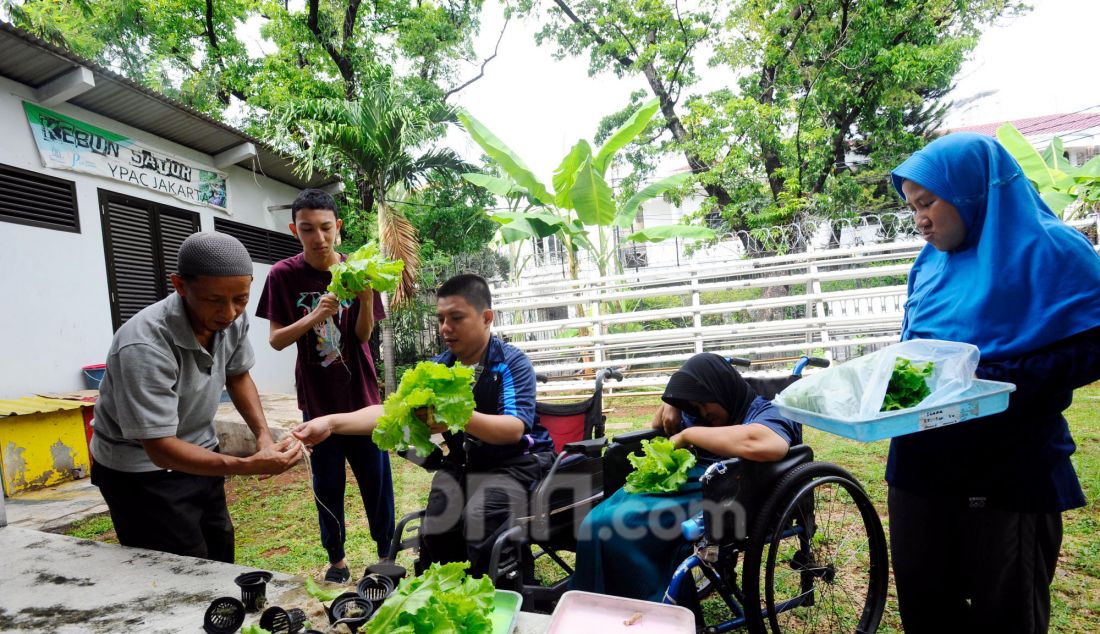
point(611, 372)
point(816, 362)
point(739, 361)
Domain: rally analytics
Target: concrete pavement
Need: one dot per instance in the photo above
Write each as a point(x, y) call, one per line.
point(65, 585)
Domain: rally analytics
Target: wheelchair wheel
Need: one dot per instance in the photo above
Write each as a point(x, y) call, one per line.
point(816, 560)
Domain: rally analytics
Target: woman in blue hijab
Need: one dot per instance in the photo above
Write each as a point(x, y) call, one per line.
point(975, 508)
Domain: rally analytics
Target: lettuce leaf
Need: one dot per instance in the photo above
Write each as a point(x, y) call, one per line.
point(443, 599)
point(323, 595)
point(254, 629)
point(908, 384)
point(367, 267)
point(660, 469)
point(447, 392)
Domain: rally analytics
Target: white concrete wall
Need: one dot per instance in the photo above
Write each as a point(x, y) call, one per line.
point(56, 313)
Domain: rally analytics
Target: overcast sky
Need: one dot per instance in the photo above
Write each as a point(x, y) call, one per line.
point(1039, 64)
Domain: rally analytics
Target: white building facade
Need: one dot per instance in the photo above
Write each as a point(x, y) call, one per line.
point(89, 234)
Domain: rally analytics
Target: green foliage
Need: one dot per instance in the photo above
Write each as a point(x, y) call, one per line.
point(448, 395)
point(582, 210)
point(192, 49)
point(373, 140)
point(811, 84)
point(363, 269)
point(908, 384)
point(660, 469)
point(254, 629)
point(451, 219)
point(1069, 191)
point(443, 599)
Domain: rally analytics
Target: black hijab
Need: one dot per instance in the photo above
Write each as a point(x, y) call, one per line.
point(708, 378)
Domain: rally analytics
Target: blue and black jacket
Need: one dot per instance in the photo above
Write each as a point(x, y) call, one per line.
point(506, 386)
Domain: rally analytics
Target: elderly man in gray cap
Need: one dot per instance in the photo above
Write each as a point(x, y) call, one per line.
point(155, 453)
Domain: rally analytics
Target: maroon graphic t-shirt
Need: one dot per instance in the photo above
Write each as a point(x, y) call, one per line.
point(334, 372)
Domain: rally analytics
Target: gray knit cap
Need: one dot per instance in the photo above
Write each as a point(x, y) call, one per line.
point(213, 254)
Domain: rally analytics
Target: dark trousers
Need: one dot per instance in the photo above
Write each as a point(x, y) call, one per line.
point(371, 467)
point(168, 511)
point(964, 569)
point(467, 512)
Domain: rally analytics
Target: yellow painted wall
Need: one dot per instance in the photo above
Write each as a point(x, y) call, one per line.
point(37, 450)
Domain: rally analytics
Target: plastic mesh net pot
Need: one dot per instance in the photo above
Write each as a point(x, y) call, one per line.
point(224, 616)
point(253, 589)
point(279, 621)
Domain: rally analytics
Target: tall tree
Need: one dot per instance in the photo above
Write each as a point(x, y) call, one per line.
point(825, 90)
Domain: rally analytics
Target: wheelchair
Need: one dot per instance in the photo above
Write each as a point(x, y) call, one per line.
point(572, 486)
point(812, 549)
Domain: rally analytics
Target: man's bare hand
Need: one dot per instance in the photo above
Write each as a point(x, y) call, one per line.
point(276, 458)
point(667, 419)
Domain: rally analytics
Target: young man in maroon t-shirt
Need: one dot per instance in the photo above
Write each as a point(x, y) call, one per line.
point(334, 372)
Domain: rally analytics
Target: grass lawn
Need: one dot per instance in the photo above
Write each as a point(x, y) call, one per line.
point(277, 524)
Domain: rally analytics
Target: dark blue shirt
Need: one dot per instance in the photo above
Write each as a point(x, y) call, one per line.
point(760, 411)
point(1019, 459)
point(506, 387)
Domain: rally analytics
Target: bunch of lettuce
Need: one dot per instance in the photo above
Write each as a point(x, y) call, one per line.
point(660, 469)
point(908, 384)
point(366, 268)
point(443, 599)
point(448, 395)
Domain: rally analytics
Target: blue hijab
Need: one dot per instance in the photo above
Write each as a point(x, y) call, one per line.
point(1022, 279)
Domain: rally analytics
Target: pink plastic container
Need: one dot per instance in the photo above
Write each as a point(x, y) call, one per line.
point(589, 612)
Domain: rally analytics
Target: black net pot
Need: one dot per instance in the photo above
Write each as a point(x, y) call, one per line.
point(253, 589)
point(279, 621)
point(224, 616)
point(394, 572)
point(328, 606)
point(375, 588)
point(352, 611)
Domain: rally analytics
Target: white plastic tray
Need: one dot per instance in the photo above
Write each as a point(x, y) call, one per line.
point(589, 612)
point(984, 398)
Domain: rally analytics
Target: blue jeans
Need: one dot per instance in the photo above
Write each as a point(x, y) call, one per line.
point(371, 467)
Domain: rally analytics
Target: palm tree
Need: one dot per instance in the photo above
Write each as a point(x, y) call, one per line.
point(374, 141)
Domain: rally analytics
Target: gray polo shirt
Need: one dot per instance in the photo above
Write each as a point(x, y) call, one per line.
point(160, 382)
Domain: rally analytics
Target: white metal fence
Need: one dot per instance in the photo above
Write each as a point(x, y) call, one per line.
point(835, 302)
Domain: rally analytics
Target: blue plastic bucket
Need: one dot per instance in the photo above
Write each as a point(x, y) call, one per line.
point(93, 375)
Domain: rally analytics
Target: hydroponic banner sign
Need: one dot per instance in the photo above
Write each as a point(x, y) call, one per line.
point(68, 144)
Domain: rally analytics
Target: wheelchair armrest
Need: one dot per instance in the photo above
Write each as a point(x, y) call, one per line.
point(591, 447)
point(616, 462)
point(636, 437)
point(431, 462)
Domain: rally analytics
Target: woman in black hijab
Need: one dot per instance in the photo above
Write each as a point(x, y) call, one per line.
point(630, 544)
point(708, 405)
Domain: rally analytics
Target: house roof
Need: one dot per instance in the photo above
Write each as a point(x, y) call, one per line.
point(1047, 125)
point(34, 62)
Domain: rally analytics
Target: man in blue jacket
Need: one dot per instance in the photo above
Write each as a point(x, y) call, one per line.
point(489, 469)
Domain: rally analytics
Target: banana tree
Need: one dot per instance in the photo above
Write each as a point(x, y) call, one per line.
point(1069, 191)
point(582, 210)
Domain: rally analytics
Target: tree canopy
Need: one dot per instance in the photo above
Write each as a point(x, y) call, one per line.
point(824, 96)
